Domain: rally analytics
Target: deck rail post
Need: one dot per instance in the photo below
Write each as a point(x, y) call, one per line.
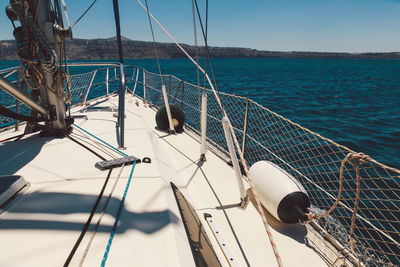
point(107, 81)
point(17, 111)
point(136, 81)
point(183, 90)
point(144, 86)
point(90, 86)
point(121, 108)
point(17, 101)
point(235, 163)
point(133, 73)
point(246, 118)
point(169, 86)
point(203, 147)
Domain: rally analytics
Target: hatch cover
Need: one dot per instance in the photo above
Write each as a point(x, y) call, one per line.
point(203, 252)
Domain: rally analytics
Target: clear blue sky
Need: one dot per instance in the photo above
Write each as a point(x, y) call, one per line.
point(281, 25)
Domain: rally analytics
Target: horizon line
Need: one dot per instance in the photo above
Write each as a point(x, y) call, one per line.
point(233, 47)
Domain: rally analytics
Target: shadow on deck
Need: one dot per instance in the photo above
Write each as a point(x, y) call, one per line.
point(14, 155)
point(36, 205)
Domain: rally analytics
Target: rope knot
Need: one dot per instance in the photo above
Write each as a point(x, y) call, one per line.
point(358, 158)
point(311, 215)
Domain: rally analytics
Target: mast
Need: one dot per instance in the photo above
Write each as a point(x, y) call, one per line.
point(52, 89)
point(37, 38)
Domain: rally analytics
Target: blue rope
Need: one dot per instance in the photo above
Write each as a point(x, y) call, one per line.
point(121, 205)
point(104, 142)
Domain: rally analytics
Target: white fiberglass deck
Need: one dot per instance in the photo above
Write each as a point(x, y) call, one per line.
point(41, 227)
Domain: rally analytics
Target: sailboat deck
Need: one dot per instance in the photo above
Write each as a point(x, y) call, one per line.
point(42, 225)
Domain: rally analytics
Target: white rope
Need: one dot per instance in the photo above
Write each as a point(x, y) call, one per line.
point(259, 206)
point(65, 12)
point(100, 218)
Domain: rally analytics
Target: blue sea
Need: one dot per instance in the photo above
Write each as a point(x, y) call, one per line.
point(355, 102)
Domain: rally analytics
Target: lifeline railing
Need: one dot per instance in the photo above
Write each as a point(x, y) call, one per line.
point(264, 135)
point(84, 87)
point(312, 159)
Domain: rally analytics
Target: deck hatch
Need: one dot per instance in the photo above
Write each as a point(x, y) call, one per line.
point(203, 252)
point(9, 186)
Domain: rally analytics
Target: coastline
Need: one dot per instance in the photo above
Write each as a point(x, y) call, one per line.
point(100, 49)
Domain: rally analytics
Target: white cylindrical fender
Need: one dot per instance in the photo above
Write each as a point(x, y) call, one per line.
point(279, 192)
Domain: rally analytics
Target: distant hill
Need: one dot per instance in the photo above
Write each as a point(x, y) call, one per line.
point(107, 49)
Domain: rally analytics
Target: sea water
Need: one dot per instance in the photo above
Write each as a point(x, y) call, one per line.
point(355, 102)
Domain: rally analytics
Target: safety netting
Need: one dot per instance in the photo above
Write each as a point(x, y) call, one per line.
point(84, 86)
point(309, 157)
point(10, 102)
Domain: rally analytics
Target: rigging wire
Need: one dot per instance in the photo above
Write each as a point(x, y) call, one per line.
point(65, 12)
point(176, 42)
point(195, 42)
point(204, 32)
point(84, 13)
point(206, 18)
point(154, 43)
point(205, 43)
